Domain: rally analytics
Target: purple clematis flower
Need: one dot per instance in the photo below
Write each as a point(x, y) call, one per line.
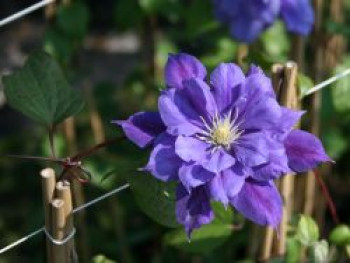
point(247, 19)
point(226, 140)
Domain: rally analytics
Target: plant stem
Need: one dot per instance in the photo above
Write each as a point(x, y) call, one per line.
point(52, 142)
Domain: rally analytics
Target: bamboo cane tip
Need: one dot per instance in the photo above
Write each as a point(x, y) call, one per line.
point(62, 185)
point(291, 65)
point(47, 173)
point(57, 203)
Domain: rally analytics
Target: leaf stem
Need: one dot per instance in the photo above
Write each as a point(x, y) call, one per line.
point(52, 141)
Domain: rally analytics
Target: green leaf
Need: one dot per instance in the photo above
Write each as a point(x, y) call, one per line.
point(307, 231)
point(203, 240)
point(151, 6)
point(293, 250)
point(304, 84)
point(275, 41)
point(320, 251)
point(340, 235)
point(102, 259)
point(155, 198)
point(222, 214)
point(225, 50)
point(335, 142)
point(341, 88)
point(73, 19)
point(40, 91)
point(60, 47)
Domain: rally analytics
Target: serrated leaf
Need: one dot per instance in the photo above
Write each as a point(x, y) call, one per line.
point(203, 240)
point(155, 198)
point(307, 231)
point(40, 91)
point(320, 251)
point(304, 84)
point(73, 19)
point(341, 88)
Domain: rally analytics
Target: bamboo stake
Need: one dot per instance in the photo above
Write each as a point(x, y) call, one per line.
point(78, 194)
point(48, 180)
point(63, 192)
point(58, 230)
point(288, 99)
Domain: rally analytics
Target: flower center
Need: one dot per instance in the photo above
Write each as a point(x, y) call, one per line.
point(222, 131)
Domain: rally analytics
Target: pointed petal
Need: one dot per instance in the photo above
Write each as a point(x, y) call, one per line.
point(298, 16)
point(193, 210)
point(181, 67)
point(192, 176)
point(217, 191)
point(191, 149)
point(259, 202)
point(304, 151)
point(251, 149)
point(142, 127)
point(233, 180)
point(225, 79)
point(163, 163)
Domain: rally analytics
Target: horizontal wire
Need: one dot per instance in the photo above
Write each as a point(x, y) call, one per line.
point(24, 12)
point(76, 210)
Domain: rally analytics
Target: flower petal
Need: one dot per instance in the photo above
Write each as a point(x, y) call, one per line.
point(163, 163)
point(174, 115)
point(197, 93)
point(259, 202)
point(181, 67)
point(225, 79)
point(233, 180)
point(142, 127)
point(192, 176)
point(251, 149)
point(298, 15)
point(218, 161)
point(289, 118)
point(304, 151)
point(191, 149)
point(193, 210)
point(277, 164)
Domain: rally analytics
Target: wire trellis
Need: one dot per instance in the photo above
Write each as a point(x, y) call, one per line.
point(43, 3)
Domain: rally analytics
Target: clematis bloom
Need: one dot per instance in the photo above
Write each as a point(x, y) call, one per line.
point(247, 19)
point(226, 140)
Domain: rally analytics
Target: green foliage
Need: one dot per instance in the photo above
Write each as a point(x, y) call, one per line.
point(335, 142)
point(199, 18)
point(340, 235)
point(275, 41)
point(122, 11)
point(341, 89)
point(305, 83)
point(102, 259)
point(293, 250)
point(203, 240)
point(155, 198)
point(73, 19)
point(307, 231)
point(40, 91)
point(225, 51)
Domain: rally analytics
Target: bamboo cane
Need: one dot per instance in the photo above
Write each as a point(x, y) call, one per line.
point(48, 180)
point(58, 230)
point(63, 192)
